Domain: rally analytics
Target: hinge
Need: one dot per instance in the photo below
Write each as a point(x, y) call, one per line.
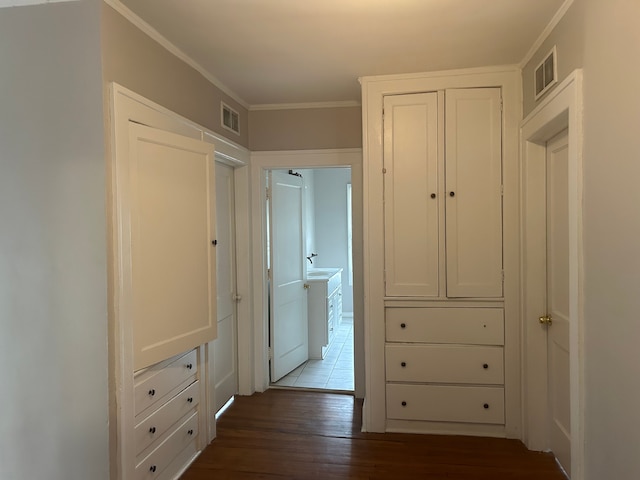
point(384, 170)
point(502, 190)
point(269, 273)
point(503, 277)
point(501, 104)
point(270, 353)
point(268, 194)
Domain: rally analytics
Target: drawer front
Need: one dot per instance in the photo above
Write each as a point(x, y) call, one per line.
point(162, 456)
point(334, 282)
point(155, 425)
point(154, 385)
point(438, 403)
point(444, 364)
point(473, 326)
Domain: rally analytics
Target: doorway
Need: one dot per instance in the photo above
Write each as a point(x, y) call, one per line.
point(327, 274)
point(261, 163)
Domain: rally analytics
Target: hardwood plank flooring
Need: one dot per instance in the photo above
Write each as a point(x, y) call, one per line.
point(308, 435)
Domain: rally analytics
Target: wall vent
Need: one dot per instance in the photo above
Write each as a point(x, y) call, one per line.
point(546, 73)
point(230, 118)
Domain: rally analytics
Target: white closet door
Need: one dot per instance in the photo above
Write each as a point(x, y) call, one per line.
point(473, 164)
point(172, 294)
point(411, 195)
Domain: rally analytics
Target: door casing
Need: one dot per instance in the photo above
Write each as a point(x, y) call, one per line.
point(560, 110)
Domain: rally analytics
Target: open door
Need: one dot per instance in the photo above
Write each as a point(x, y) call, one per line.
point(288, 310)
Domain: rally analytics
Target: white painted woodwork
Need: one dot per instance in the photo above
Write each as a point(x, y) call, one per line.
point(324, 308)
point(562, 108)
point(289, 326)
point(411, 250)
point(445, 364)
point(172, 215)
point(472, 326)
point(558, 299)
point(473, 195)
point(224, 348)
point(446, 403)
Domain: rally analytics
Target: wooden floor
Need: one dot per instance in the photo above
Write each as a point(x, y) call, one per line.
point(305, 435)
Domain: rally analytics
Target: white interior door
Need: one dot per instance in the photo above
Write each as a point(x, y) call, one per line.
point(172, 261)
point(558, 299)
point(225, 356)
point(288, 321)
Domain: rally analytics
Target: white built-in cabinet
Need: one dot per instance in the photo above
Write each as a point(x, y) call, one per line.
point(324, 309)
point(439, 254)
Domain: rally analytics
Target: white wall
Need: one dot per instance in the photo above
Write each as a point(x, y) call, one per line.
point(53, 307)
point(612, 239)
point(331, 225)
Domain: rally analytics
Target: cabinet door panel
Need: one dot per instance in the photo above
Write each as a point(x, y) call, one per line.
point(473, 164)
point(410, 212)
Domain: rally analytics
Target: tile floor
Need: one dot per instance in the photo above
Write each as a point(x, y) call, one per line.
point(335, 372)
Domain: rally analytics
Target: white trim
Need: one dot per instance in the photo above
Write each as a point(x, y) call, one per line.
point(260, 163)
point(546, 32)
point(561, 109)
point(123, 10)
point(508, 78)
point(300, 106)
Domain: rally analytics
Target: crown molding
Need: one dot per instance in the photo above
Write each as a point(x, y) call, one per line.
point(123, 10)
point(300, 106)
point(546, 32)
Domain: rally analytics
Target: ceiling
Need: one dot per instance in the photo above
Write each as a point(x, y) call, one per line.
point(302, 51)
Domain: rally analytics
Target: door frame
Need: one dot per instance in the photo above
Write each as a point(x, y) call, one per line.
point(560, 110)
point(260, 163)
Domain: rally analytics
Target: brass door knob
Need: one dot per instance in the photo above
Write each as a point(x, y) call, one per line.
point(545, 320)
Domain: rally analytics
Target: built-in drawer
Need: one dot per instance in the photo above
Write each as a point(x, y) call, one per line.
point(443, 403)
point(444, 364)
point(473, 326)
point(153, 465)
point(334, 282)
point(161, 420)
point(158, 381)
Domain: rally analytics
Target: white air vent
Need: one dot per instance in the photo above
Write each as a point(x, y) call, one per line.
point(546, 74)
point(230, 119)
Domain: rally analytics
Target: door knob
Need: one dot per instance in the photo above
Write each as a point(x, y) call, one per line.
point(307, 286)
point(545, 320)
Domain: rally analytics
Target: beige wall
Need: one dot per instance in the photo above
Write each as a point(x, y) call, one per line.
point(137, 62)
point(305, 129)
point(53, 274)
point(568, 36)
point(612, 233)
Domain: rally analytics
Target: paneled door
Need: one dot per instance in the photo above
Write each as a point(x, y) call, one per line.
point(167, 210)
point(288, 320)
point(557, 318)
point(225, 356)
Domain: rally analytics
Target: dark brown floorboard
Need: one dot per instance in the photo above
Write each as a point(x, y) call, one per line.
point(304, 435)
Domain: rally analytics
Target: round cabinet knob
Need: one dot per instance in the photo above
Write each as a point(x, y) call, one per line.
point(403, 325)
point(189, 366)
point(190, 432)
point(152, 430)
point(152, 392)
point(433, 195)
point(486, 406)
point(403, 364)
point(452, 194)
point(485, 366)
point(152, 468)
point(404, 404)
point(190, 399)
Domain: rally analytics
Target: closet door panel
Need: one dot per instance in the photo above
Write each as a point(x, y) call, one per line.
point(473, 163)
point(410, 195)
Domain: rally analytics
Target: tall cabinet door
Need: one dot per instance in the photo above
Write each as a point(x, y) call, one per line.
point(473, 164)
point(410, 195)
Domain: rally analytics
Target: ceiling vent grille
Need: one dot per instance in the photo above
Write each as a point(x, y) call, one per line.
point(230, 118)
point(546, 73)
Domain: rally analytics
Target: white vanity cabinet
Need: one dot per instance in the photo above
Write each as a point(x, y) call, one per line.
point(324, 307)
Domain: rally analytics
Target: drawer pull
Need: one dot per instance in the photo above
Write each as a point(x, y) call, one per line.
point(190, 432)
point(152, 392)
point(403, 364)
point(486, 406)
point(485, 366)
point(190, 399)
point(403, 325)
point(152, 430)
point(189, 366)
point(404, 404)
point(152, 468)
